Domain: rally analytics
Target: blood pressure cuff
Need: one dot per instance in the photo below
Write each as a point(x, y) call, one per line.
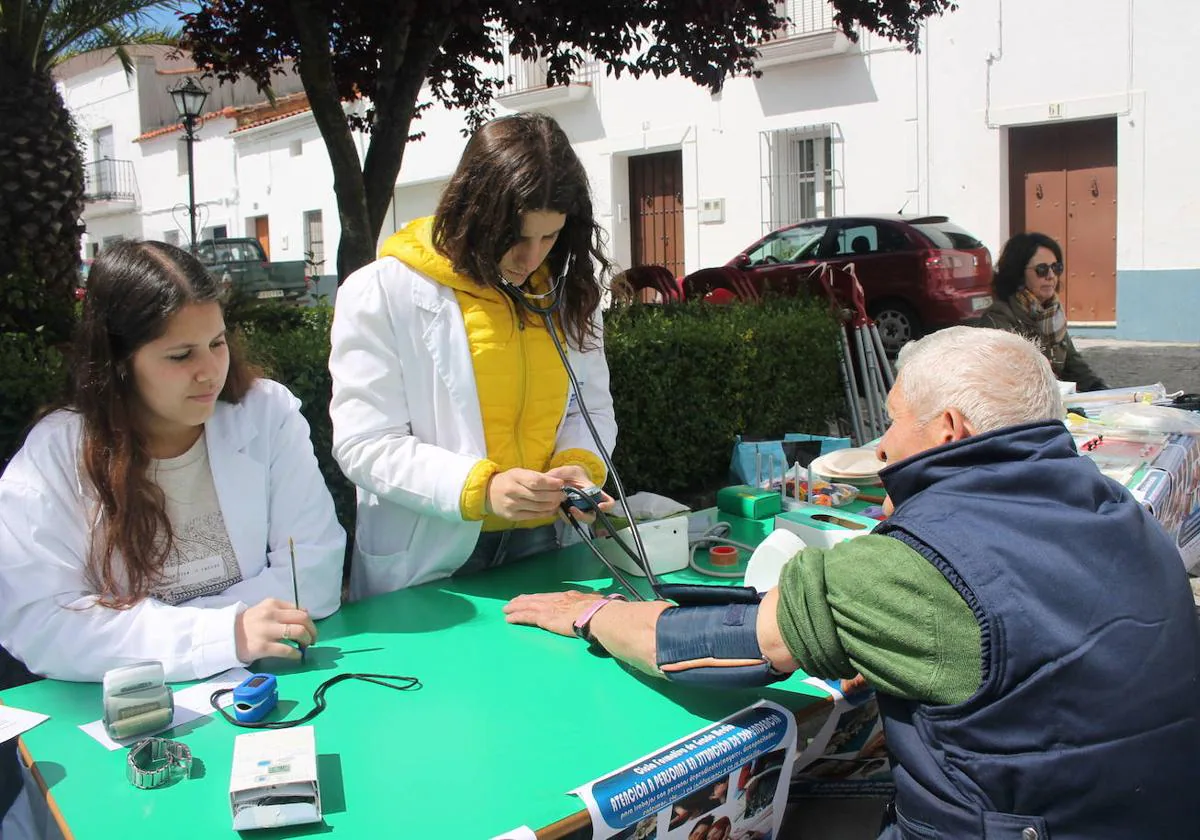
point(725, 632)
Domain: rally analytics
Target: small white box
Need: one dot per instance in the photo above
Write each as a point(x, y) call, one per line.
point(274, 779)
point(712, 211)
point(665, 541)
point(823, 527)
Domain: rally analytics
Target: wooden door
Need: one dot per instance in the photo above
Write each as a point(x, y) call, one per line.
point(262, 232)
point(1062, 182)
point(656, 210)
point(1092, 220)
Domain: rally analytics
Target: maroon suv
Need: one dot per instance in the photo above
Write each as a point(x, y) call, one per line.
point(918, 273)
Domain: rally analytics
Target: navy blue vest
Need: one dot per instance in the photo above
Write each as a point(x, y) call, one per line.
point(1087, 723)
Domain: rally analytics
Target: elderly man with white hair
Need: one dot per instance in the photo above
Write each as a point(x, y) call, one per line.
point(1027, 625)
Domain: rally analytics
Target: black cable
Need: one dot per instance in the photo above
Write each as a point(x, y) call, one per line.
point(618, 576)
point(319, 703)
point(547, 314)
point(681, 593)
point(640, 558)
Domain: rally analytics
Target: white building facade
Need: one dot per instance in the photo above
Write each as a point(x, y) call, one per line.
point(249, 163)
point(1073, 117)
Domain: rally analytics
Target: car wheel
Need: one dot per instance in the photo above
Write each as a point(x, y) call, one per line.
point(897, 324)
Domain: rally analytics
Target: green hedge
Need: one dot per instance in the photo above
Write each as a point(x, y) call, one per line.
point(30, 305)
point(33, 376)
point(685, 380)
point(296, 353)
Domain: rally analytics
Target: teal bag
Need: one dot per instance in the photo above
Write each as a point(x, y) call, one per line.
point(751, 461)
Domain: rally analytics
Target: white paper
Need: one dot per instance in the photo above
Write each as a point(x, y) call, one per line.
point(190, 703)
point(731, 775)
point(14, 722)
point(521, 832)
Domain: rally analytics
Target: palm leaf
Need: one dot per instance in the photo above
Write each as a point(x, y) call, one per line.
point(117, 39)
point(38, 34)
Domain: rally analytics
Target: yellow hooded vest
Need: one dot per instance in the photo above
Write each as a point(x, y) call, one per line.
point(519, 377)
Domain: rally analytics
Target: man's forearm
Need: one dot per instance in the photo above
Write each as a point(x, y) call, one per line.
point(628, 631)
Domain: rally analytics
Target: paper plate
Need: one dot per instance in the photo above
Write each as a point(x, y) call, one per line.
point(860, 463)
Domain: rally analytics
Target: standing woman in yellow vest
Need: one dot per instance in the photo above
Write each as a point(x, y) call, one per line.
point(452, 411)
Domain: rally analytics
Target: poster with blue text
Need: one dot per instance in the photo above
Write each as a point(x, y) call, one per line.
point(728, 781)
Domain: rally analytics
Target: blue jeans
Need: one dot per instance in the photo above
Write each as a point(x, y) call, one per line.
point(496, 548)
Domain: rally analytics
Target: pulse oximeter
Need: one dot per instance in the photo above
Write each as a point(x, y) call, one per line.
point(254, 699)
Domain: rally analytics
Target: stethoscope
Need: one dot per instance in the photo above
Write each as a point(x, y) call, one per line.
point(531, 302)
point(681, 593)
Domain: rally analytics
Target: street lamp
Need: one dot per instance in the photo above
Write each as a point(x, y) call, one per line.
point(189, 102)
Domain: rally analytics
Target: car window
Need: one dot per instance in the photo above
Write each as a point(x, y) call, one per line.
point(949, 235)
point(789, 245)
point(868, 239)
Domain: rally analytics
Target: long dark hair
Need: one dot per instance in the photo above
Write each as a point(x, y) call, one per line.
point(1015, 256)
point(513, 165)
point(133, 289)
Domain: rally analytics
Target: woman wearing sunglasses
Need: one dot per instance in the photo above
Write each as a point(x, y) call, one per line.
point(1026, 283)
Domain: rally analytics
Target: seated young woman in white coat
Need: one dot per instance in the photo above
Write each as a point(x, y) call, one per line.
point(150, 518)
point(452, 410)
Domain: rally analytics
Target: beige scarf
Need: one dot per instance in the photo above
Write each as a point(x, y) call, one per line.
point(1049, 317)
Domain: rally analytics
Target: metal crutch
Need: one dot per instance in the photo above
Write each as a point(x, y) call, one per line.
point(873, 360)
point(868, 378)
point(886, 378)
point(846, 369)
point(857, 295)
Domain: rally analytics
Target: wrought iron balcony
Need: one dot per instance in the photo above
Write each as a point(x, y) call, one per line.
point(525, 84)
point(110, 180)
point(806, 17)
point(809, 33)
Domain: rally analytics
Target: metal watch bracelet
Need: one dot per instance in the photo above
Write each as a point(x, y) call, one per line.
point(152, 761)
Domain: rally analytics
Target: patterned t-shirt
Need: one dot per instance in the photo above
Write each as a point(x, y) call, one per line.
point(202, 561)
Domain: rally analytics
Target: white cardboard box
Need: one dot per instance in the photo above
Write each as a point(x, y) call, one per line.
point(665, 541)
point(274, 779)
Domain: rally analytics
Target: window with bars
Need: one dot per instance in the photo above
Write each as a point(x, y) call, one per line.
point(314, 242)
point(797, 172)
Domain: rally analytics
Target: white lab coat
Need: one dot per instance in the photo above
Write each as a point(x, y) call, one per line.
point(269, 488)
point(407, 427)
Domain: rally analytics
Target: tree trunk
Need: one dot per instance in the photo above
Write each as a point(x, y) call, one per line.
point(357, 245)
point(41, 200)
point(364, 191)
point(397, 91)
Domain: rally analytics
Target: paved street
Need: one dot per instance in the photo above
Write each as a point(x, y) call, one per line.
point(1122, 363)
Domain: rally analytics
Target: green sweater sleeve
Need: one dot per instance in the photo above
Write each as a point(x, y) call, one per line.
point(874, 606)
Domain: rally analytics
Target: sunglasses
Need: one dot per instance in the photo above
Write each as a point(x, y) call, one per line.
point(1043, 269)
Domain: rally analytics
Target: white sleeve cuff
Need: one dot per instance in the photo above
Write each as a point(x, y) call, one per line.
point(214, 640)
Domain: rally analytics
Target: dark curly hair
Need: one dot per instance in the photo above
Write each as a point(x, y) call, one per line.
point(1015, 256)
point(513, 165)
